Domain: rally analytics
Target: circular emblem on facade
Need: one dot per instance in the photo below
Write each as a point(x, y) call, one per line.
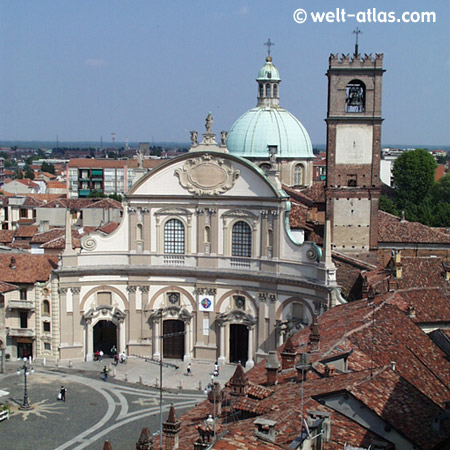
point(88, 243)
point(206, 303)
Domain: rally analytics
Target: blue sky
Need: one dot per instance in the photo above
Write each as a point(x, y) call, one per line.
point(150, 70)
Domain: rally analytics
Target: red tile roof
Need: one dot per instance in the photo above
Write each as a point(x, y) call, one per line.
point(393, 229)
point(26, 231)
point(6, 236)
point(29, 268)
point(6, 287)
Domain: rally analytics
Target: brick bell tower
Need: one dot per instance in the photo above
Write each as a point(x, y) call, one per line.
point(353, 151)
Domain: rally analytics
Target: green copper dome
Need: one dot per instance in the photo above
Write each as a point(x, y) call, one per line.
point(268, 71)
point(262, 126)
point(269, 124)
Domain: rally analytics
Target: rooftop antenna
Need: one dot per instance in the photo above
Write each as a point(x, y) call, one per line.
point(357, 32)
point(269, 44)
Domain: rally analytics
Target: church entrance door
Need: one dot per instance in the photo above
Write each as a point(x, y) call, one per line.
point(173, 346)
point(238, 343)
point(105, 336)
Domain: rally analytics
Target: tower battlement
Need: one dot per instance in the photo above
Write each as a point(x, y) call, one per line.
point(356, 61)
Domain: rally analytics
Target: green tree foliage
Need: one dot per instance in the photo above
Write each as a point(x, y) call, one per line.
point(29, 173)
point(18, 174)
point(414, 176)
point(48, 167)
point(117, 197)
point(416, 192)
point(96, 194)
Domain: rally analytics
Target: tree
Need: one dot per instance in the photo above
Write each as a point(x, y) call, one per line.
point(117, 197)
point(18, 174)
point(48, 167)
point(96, 194)
point(413, 176)
point(29, 173)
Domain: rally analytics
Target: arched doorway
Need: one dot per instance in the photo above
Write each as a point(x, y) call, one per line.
point(173, 346)
point(238, 343)
point(105, 336)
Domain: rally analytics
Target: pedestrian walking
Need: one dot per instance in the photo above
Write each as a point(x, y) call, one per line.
point(100, 355)
point(105, 373)
point(113, 350)
point(188, 370)
point(216, 369)
point(62, 394)
point(97, 356)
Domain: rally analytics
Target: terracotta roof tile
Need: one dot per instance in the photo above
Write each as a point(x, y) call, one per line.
point(6, 287)
point(393, 229)
point(29, 268)
point(26, 231)
point(6, 236)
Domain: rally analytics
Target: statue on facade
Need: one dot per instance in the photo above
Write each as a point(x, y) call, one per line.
point(223, 137)
point(140, 159)
point(194, 138)
point(209, 122)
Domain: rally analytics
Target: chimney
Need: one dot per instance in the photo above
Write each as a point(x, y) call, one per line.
point(314, 336)
point(145, 441)
point(272, 366)
point(398, 264)
point(12, 264)
point(171, 430)
point(265, 429)
point(288, 354)
point(446, 271)
point(238, 382)
point(215, 398)
point(393, 365)
point(204, 441)
point(411, 311)
point(364, 287)
point(107, 445)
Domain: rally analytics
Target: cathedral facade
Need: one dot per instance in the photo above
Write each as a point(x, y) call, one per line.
point(204, 264)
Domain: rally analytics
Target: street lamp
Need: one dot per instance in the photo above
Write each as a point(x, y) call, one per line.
point(27, 369)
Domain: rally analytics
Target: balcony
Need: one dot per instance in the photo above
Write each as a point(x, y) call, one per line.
point(21, 304)
point(20, 332)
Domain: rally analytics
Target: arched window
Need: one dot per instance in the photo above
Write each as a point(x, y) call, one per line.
point(298, 175)
point(174, 237)
point(275, 90)
point(45, 308)
point(355, 96)
point(261, 90)
point(241, 244)
point(267, 90)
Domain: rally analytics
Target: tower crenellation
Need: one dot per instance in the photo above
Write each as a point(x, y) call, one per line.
point(346, 60)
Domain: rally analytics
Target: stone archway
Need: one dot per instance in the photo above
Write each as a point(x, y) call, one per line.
point(113, 321)
point(239, 326)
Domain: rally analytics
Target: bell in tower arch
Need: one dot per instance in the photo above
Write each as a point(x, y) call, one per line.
point(355, 97)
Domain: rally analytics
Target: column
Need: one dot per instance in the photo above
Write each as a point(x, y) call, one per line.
point(89, 341)
point(144, 325)
point(76, 318)
point(156, 340)
point(122, 337)
point(132, 328)
point(66, 335)
point(272, 320)
point(262, 324)
point(187, 342)
point(250, 362)
point(222, 357)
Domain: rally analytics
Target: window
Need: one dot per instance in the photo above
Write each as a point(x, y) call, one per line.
point(261, 90)
point(267, 90)
point(275, 90)
point(23, 213)
point(47, 346)
point(23, 319)
point(298, 175)
point(23, 294)
point(46, 327)
point(45, 308)
point(241, 240)
point(174, 237)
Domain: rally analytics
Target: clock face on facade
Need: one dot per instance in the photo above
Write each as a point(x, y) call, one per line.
point(173, 298)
